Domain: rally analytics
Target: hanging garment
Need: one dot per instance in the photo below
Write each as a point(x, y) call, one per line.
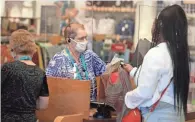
point(54, 49)
point(125, 28)
point(45, 55)
point(40, 57)
point(5, 23)
point(35, 58)
point(13, 26)
point(90, 25)
point(5, 54)
point(107, 44)
point(28, 4)
point(115, 86)
point(15, 11)
point(24, 21)
point(115, 90)
point(106, 26)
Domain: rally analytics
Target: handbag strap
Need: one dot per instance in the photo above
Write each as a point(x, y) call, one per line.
point(156, 103)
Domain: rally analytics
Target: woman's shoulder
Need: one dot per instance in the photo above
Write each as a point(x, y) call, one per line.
point(19, 66)
point(61, 55)
point(90, 53)
point(9, 64)
point(158, 53)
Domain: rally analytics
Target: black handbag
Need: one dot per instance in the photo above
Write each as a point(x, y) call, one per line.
point(103, 110)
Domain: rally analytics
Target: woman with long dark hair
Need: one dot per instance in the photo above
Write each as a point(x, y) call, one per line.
point(166, 65)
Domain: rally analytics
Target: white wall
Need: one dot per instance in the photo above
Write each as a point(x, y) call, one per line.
point(145, 14)
point(40, 3)
point(2, 5)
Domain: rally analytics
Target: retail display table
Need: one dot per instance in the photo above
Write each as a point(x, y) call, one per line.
point(99, 120)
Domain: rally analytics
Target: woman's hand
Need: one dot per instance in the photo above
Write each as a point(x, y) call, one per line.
point(128, 67)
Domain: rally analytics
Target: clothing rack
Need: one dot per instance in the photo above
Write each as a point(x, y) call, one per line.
point(5, 39)
point(101, 37)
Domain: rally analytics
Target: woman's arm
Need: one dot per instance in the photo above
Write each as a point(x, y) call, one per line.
point(42, 103)
point(43, 100)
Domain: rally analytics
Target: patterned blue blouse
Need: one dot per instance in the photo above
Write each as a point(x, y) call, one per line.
point(61, 66)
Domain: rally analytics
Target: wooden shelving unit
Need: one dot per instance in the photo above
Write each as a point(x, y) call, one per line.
point(109, 9)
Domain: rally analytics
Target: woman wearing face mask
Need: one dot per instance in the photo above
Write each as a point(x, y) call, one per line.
point(164, 74)
point(75, 61)
point(23, 85)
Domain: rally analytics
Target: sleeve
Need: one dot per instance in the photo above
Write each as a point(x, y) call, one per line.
point(147, 78)
point(4, 74)
point(98, 65)
point(133, 72)
point(44, 88)
point(54, 67)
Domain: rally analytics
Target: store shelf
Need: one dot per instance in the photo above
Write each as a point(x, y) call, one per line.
point(100, 37)
point(109, 9)
point(19, 17)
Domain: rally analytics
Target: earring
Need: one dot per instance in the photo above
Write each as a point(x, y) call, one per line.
point(69, 40)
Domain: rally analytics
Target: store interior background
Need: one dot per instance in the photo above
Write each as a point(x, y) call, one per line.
point(43, 19)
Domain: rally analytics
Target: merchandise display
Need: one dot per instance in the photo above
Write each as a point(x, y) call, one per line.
point(118, 32)
point(125, 27)
point(10, 24)
point(106, 26)
point(90, 25)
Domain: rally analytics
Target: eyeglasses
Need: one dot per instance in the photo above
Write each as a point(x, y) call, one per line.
point(79, 39)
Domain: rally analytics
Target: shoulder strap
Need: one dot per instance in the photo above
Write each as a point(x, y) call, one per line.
point(155, 104)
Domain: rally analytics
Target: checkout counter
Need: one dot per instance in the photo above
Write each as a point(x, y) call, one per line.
point(60, 109)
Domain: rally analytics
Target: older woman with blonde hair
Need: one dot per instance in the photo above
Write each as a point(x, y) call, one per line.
point(23, 85)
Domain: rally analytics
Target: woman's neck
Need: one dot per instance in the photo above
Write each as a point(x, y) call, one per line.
point(19, 56)
point(74, 53)
point(27, 61)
